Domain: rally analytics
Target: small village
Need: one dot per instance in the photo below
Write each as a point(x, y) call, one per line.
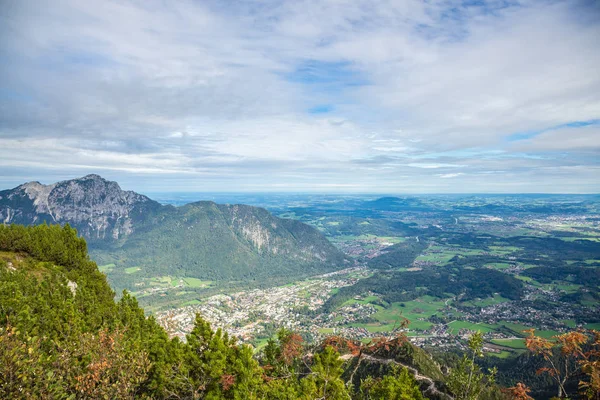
point(254, 316)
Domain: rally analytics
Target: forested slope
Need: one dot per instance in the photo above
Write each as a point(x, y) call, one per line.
point(63, 336)
point(201, 240)
point(224, 242)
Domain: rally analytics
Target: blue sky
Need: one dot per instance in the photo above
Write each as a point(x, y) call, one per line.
point(386, 96)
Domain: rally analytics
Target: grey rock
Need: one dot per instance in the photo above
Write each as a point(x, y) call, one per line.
point(97, 208)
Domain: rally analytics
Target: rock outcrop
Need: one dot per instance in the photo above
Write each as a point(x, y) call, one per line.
point(98, 208)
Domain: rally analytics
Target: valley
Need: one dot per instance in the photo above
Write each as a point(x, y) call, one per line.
point(448, 270)
point(360, 270)
point(349, 265)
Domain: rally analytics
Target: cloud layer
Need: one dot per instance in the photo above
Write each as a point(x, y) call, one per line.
point(390, 96)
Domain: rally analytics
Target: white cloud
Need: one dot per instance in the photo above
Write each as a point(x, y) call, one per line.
point(220, 94)
point(583, 139)
point(445, 176)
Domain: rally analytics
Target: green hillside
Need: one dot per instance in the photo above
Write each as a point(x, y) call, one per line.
point(222, 242)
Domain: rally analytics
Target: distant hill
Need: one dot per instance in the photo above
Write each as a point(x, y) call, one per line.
point(203, 240)
point(396, 204)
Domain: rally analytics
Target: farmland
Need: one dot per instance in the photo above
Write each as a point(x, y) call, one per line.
point(449, 265)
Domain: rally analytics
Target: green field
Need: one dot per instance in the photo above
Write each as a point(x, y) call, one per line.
point(524, 278)
point(132, 270)
point(373, 300)
point(443, 254)
point(176, 281)
point(486, 302)
point(374, 327)
point(197, 283)
point(437, 258)
point(499, 266)
point(569, 288)
point(569, 322)
point(572, 239)
point(455, 326)
point(106, 268)
point(419, 325)
point(389, 317)
point(162, 280)
point(519, 328)
point(369, 237)
point(512, 343)
point(416, 311)
point(503, 250)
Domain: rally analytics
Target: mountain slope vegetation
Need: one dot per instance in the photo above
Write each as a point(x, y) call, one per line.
point(224, 242)
point(201, 240)
point(63, 336)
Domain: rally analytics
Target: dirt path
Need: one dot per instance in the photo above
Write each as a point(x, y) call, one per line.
point(431, 388)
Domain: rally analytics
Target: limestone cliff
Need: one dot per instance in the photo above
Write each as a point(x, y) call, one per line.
point(98, 208)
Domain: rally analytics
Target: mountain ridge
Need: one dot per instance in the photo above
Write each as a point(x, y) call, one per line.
point(95, 206)
point(204, 239)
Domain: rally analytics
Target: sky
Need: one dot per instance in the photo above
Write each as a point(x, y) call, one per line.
point(326, 96)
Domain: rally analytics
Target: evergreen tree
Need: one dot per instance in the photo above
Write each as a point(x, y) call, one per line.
point(398, 385)
point(325, 380)
point(467, 381)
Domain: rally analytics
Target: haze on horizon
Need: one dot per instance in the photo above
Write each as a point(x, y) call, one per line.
point(405, 96)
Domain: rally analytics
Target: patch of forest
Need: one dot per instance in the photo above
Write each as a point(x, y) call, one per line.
point(398, 286)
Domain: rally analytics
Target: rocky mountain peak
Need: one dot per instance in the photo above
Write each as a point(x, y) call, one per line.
point(95, 177)
point(38, 193)
point(95, 206)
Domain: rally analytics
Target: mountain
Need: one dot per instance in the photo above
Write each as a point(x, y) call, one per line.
point(97, 208)
point(231, 242)
point(202, 240)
